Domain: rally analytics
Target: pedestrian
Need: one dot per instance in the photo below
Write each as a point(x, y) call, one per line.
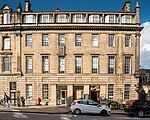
point(38, 101)
point(109, 104)
point(6, 99)
point(23, 101)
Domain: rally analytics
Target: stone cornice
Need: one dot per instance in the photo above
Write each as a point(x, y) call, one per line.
point(95, 28)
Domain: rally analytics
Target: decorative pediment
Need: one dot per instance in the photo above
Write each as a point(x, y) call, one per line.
point(6, 7)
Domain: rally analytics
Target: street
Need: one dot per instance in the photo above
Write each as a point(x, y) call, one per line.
point(36, 116)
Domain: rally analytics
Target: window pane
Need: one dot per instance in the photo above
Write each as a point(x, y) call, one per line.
point(62, 18)
point(6, 64)
point(94, 64)
point(111, 65)
point(6, 18)
point(46, 19)
point(45, 91)
point(111, 18)
point(79, 18)
point(29, 40)
point(112, 40)
point(127, 40)
point(127, 65)
point(78, 64)
point(29, 91)
point(61, 64)
point(28, 64)
point(127, 91)
point(45, 40)
point(94, 19)
point(111, 91)
point(94, 40)
point(6, 43)
point(45, 64)
point(29, 19)
point(78, 40)
point(61, 39)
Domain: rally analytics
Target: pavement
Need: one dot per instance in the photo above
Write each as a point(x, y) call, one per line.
point(45, 109)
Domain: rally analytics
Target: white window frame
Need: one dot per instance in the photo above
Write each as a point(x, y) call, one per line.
point(95, 64)
point(127, 65)
point(6, 43)
point(29, 64)
point(29, 18)
point(6, 64)
point(78, 64)
point(62, 18)
point(6, 18)
point(94, 18)
point(79, 18)
point(45, 91)
point(45, 39)
point(112, 40)
point(29, 91)
point(62, 65)
point(45, 64)
point(46, 18)
point(78, 40)
point(110, 91)
point(127, 19)
point(29, 40)
point(95, 40)
point(127, 91)
point(111, 64)
point(110, 19)
point(128, 41)
point(61, 39)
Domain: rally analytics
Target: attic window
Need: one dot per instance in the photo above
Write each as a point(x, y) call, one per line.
point(6, 18)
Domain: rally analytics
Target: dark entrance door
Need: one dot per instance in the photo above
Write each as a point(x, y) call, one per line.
point(94, 95)
point(13, 92)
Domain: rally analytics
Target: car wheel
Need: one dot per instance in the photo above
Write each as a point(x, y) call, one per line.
point(141, 113)
point(77, 111)
point(103, 112)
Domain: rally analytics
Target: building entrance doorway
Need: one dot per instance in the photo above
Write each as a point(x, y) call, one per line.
point(95, 93)
point(61, 95)
point(13, 93)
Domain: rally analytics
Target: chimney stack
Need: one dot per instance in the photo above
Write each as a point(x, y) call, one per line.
point(126, 7)
point(27, 5)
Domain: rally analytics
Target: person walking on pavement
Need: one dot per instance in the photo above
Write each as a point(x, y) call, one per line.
point(23, 101)
point(6, 100)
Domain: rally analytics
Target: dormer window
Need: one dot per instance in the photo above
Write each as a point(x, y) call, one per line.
point(46, 18)
point(62, 18)
point(79, 18)
point(94, 19)
point(110, 19)
point(127, 19)
point(29, 19)
point(6, 18)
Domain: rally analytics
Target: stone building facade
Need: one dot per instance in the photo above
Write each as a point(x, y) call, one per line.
point(65, 55)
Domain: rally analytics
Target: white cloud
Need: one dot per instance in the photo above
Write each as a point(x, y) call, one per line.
point(145, 45)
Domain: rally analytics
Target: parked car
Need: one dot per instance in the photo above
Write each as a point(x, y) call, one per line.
point(136, 107)
point(89, 106)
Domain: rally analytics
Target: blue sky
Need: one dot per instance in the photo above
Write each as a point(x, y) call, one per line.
point(100, 5)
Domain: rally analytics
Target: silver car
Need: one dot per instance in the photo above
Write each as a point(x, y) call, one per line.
point(89, 106)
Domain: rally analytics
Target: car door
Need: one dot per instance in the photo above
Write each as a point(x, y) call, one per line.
point(147, 107)
point(93, 107)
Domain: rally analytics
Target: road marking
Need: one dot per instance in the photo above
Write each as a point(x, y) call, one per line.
point(65, 117)
point(18, 115)
point(128, 118)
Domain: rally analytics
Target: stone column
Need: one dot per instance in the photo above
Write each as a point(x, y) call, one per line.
point(53, 95)
point(69, 94)
point(86, 91)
